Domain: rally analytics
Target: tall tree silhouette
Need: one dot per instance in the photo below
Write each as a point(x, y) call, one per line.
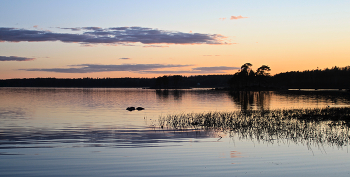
point(246, 69)
point(246, 79)
point(263, 71)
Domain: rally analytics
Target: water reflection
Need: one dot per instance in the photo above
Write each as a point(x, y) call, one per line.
point(332, 97)
point(86, 137)
point(25, 111)
point(13, 113)
point(164, 94)
point(258, 126)
point(249, 100)
point(264, 100)
point(177, 94)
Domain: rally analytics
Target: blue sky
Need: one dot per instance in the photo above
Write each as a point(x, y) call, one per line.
point(286, 35)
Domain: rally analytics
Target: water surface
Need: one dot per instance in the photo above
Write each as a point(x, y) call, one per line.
point(88, 132)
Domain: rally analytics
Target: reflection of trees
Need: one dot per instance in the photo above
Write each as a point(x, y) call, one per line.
point(164, 94)
point(247, 100)
point(177, 95)
point(302, 126)
point(324, 96)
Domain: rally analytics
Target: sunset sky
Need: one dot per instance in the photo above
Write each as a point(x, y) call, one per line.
point(76, 39)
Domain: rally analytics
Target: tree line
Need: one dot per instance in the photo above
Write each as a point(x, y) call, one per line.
point(329, 78)
point(245, 79)
point(162, 82)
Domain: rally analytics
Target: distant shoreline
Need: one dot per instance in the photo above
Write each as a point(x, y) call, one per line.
point(307, 90)
point(334, 78)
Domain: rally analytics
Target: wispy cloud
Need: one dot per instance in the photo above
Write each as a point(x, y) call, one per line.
point(92, 68)
point(169, 72)
point(198, 70)
point(234, 18)
point(237, 17)
point(161, 46)
point(215, 68)
point(138, 68)
point(124, 58)
point(116, 35)
point(15, 58)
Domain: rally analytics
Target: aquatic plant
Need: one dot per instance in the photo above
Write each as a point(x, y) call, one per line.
point(306, 126)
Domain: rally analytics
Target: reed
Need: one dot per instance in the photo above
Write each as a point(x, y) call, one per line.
point(307, 126)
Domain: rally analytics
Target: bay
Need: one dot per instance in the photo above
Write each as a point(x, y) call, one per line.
point(89, 132)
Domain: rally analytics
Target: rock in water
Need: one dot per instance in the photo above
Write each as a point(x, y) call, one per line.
point(130, 108)
point(140, 108)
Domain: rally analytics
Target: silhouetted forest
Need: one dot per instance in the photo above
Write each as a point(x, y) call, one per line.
point(163, 82)
point(334, 78)
point(244, 79)
point(247, 79)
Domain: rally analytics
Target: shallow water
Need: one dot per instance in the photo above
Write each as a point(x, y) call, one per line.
point(88, 132)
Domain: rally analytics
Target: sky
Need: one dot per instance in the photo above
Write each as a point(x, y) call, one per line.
point(137, 38)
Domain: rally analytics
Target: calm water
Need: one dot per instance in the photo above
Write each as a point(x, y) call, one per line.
point(88, 132)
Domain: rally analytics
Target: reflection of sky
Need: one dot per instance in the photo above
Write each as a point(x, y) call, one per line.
point(56, 107)
point(12, 113)
point(17, 138)
point(60, 107)
point(269, 131)
point(89, 132)
point(52, 110)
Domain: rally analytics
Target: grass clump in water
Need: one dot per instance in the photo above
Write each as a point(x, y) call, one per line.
point(309, 126)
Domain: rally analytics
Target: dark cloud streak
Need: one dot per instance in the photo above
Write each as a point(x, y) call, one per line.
point(215, 68)
point(97, 35)
point(198, 70)
point(15, 58)
point(139, 68)
point(92, 68)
